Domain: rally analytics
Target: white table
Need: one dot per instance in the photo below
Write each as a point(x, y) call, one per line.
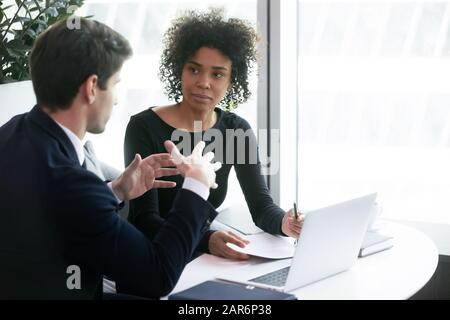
point(397, 273)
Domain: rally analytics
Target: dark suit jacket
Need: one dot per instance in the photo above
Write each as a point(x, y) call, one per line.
point(54, 214)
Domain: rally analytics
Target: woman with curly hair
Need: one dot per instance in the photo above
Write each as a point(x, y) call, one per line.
point(205, 64)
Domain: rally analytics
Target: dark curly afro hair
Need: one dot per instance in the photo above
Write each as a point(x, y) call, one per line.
point(235, 38)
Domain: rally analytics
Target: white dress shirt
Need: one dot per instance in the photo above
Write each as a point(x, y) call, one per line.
point(76, 142)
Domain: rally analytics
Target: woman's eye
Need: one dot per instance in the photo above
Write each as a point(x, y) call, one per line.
point(218, 75)
point(194, 70)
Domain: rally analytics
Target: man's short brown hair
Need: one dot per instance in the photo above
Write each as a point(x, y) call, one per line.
point(63, 57)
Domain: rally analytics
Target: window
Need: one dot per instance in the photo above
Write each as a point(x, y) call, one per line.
point(374, 105)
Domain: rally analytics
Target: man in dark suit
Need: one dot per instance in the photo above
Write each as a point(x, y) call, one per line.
point(59, 227)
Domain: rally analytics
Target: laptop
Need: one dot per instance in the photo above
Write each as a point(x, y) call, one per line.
point(328, 244)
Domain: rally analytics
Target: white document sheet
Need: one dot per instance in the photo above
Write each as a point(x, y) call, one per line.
point(267, 246)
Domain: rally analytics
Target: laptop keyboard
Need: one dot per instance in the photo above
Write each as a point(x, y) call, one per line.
point(275, 278)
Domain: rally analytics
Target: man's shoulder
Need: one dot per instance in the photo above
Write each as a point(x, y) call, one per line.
point(22, 142)
point(12, 125)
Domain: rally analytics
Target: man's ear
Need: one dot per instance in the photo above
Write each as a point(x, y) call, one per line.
point(90, 88)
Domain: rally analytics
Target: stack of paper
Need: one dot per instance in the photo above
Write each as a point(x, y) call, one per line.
point(267, 246)
point(375, 241)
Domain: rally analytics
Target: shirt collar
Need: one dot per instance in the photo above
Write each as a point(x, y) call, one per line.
point(77, 143)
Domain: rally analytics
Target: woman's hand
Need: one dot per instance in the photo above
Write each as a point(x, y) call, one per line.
point(218, 245)
point(291, 225)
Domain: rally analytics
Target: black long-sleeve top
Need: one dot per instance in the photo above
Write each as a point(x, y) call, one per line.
point(146, 133)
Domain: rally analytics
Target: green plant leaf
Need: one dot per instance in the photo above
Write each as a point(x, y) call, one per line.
point(33, 18)
point(8, 80)
point(43, 23)
point(3, 9)
point(31, 33)
point(21, 19)
point(51, 11)
point(4, 24)
point(30, 3)
point(17, 45)
point(13, 53)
